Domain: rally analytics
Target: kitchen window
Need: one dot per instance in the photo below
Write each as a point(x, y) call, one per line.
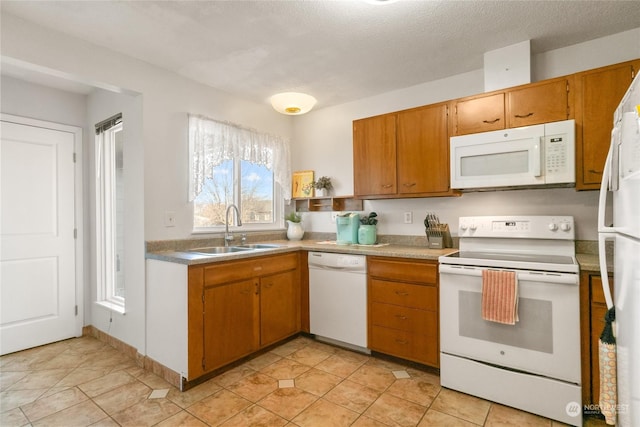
point(109, 201)
point(233, 164)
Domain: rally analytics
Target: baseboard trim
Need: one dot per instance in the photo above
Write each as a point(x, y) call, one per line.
point(141, 360)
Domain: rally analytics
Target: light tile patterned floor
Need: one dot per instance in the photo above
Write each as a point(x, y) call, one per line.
point(82, 382)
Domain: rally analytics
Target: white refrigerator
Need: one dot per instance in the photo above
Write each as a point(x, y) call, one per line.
point(621, 182)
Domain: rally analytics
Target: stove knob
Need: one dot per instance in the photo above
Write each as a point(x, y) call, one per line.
point(463, 227)
point(553, 226)
point(473, 227)
point(565, 226)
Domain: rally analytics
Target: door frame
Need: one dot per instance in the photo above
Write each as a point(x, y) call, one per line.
point(78, 200)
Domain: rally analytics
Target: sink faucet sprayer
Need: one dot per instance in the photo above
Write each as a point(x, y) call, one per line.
point(228, 236)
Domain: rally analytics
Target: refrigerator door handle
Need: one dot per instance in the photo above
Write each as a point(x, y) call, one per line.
point(605, 186)
point(605, 233)
point(604, 273)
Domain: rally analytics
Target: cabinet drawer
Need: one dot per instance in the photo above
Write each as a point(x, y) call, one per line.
point(410, 271)
point(405, 319)
point(411, 346)
point(232, 271)
point(423, 297)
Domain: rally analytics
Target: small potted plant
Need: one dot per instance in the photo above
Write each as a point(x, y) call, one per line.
point(323, 185)
point(367, 232)
point(294, 229)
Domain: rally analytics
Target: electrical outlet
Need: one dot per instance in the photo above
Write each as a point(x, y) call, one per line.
point(408, 217)
point(169, 219)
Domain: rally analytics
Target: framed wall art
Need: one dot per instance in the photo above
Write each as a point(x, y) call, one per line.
point(302, 184)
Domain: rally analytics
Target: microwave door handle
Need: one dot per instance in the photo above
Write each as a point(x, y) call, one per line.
point(536, 158)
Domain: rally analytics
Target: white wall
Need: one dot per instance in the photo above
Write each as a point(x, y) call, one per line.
point(159, 149)
point(129, 328)
point(167, 98)
point(323, 143)
point(40, 102)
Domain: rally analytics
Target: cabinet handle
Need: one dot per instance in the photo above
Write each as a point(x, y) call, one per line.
point(387, 185)
point(525, 116)
point(257, 285)
point(491, 121)
point(403, 342)
point(595, 171)
point(258, 268)
point(401, 317)
point(410, 184)
point(401, 293)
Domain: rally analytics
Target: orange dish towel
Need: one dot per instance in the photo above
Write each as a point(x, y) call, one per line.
point(500, 296)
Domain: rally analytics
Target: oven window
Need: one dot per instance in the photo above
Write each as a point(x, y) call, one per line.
point(534, 331)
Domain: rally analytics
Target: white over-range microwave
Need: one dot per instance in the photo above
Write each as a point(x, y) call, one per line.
point(526, 156)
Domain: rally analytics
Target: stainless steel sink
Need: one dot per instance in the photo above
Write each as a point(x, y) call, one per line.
point(259, 246)
point(219, 250)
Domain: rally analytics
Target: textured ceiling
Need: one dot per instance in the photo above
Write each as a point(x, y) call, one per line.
point(338, 51)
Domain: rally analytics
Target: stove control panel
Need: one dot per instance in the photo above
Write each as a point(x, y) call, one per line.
point(532, 227)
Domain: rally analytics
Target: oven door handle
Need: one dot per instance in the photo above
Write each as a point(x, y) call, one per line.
point(530, 276)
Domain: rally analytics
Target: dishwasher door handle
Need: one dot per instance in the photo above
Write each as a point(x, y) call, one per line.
point(357, 270)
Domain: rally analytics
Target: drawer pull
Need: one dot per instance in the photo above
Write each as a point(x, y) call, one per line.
point(387, 185)
point(524, 116)
point(491, 121)
point(258, 268)
point(401, 317)
point(409, 184)
point(403, 342)
point(402, 293)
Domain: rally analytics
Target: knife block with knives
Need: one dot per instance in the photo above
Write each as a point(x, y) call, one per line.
point(438, 234)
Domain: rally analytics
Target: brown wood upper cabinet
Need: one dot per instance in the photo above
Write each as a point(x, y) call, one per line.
point(402, 154)
point(598, 93)
point(547, 101)
point(480, 113)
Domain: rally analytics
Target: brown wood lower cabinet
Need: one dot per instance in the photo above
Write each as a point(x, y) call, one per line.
point(593, 311)
point(403, 309)
point(239, 307)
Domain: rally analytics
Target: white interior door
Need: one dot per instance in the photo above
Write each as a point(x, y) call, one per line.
point(37, 221)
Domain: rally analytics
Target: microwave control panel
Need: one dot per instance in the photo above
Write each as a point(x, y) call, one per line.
point(556, 158)
point(559, 152)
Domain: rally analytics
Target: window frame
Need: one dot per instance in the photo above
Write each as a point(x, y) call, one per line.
point(106, 217)
point(278, 208)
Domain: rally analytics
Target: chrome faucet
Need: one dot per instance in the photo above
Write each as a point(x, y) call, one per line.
point(228, 236)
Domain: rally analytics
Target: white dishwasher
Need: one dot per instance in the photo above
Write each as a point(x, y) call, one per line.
point(338, 299)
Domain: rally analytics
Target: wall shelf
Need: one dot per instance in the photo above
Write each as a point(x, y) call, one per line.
point(328, 204)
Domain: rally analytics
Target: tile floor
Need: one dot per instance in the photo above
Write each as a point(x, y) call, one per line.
point(84, 382)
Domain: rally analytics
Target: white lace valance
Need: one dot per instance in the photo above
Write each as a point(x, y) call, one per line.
point(211, 142)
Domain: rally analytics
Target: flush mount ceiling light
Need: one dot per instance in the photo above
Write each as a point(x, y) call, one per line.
point(292, 103)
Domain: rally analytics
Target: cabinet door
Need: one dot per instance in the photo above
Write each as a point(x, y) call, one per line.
point(423, 150)
point(230, 322)
point(598, 94)
point(374, 155)
point(538, 103)
point(279, 307)
point(479, 114)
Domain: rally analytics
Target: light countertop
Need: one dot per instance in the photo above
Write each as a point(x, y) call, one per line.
point(386, 250)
